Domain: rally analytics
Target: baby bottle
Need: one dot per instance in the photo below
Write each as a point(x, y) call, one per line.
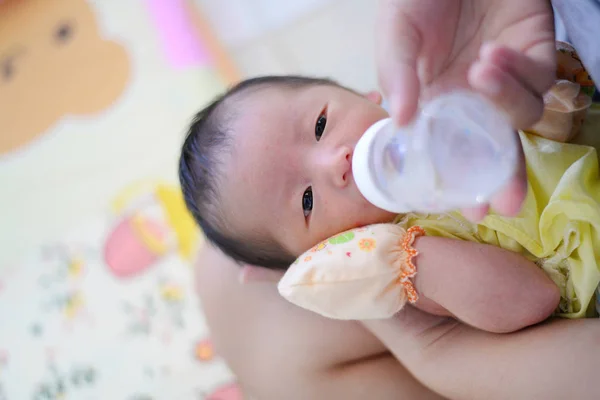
point(459, 151)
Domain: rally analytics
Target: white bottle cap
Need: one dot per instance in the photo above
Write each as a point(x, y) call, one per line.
point(363, 168)
point(472, 142)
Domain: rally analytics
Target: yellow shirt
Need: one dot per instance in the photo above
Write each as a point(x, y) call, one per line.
point(559, 225)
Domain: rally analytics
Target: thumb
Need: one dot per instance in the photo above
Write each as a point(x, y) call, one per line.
point(398, 46)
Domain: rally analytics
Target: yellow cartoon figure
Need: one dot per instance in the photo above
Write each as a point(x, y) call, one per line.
point(152, 223)
point(53, 62)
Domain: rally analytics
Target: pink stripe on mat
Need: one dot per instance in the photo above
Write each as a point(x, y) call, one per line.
point(179, 38)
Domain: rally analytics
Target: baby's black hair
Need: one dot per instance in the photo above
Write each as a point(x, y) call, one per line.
point(199, 175)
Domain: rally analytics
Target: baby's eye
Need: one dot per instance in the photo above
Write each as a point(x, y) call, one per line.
point(307, 201)
point(320, 125)
point(63, 33)
point(8, 68)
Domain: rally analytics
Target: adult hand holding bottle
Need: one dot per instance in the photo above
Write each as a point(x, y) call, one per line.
point(502, 49)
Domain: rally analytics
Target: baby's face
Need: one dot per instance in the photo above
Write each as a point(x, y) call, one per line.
point(289, 175)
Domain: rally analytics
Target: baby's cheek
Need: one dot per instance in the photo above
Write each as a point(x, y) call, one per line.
point(356, 214)
point(360, 214)
point(370, 214)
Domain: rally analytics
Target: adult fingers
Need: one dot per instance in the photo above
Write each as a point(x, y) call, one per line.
point(535, 69)
point(398, 45)
point(515, 81)
point(476, 214)
point(510, 199)
point(523, 107)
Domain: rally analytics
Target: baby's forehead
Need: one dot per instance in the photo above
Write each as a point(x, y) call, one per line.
point(261, 108)
point(273, 92)
point(266, 94)
point(277, 103)
point(264, 129)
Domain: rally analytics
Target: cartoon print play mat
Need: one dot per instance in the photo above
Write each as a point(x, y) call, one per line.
point(96, 288)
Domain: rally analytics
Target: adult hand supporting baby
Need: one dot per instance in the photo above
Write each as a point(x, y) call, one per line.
point(503, 49)
point(462, 362)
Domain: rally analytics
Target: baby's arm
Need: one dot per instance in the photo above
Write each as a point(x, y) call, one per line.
point(484, 286)
point(366, 273)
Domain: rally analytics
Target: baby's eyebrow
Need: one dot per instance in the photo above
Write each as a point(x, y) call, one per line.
point(12, 53)
point(299, 121)
point(304, 115)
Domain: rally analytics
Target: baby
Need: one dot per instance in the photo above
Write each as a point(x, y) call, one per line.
point(266, 172)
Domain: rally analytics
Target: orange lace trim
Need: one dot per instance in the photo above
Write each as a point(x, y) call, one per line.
point(409, 270)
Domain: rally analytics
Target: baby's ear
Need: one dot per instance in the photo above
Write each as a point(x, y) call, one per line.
point(254, 274)
point(374, 96)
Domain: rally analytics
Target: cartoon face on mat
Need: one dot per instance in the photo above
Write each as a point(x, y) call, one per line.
point(53, 62)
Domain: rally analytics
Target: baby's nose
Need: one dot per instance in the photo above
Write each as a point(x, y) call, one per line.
point(339, 166)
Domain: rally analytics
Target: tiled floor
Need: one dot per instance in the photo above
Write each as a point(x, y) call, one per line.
point(333, 38)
